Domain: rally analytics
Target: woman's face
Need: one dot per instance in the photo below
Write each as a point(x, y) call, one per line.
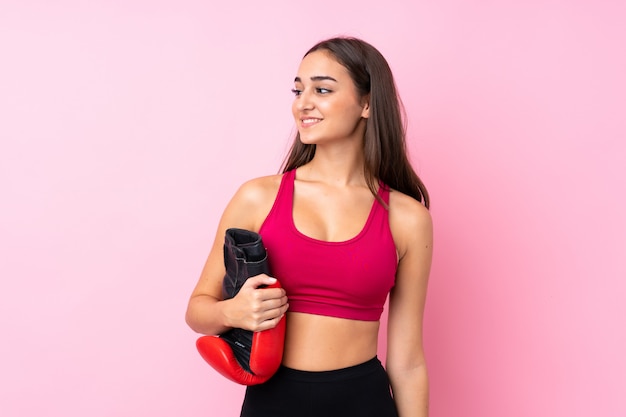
point(327, 106)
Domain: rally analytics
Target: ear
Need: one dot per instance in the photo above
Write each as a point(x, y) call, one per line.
point(365, 103)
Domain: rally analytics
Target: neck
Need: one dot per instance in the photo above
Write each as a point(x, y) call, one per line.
point(338, 165)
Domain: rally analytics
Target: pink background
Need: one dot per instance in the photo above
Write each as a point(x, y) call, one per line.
point(126, 126)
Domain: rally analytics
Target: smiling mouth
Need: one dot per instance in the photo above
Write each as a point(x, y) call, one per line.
point(309, 122)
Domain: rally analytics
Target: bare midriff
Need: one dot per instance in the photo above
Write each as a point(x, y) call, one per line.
point(321, 343)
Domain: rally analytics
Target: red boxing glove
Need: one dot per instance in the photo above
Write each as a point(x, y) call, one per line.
point(243, 356)
point(266, 353)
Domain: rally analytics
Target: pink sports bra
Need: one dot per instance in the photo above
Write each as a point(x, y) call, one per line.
point(349, 279)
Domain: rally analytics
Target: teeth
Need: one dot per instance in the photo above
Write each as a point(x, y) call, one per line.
point(310, 120)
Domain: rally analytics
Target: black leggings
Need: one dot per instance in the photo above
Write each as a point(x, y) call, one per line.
point(361, 390)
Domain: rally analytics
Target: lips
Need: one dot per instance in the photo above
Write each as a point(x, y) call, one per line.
point(309, 121)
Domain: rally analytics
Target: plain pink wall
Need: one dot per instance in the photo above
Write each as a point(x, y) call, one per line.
point(125, 127)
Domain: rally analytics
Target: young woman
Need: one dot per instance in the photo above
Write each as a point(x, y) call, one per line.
point(345, 225)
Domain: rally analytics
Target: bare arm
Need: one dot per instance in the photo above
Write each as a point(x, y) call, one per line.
point(406, 364)
point(253, 308)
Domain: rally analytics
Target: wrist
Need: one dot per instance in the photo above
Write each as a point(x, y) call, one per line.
point(225, 314)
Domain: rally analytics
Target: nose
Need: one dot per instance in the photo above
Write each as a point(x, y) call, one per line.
point(303, 101)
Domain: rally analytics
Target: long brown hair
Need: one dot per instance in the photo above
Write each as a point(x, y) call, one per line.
point(384, 144)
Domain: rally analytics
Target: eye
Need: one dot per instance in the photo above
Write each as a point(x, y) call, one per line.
point(321, 90)
point(296, 92)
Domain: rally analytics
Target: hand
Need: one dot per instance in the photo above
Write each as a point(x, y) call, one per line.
point(255, 308)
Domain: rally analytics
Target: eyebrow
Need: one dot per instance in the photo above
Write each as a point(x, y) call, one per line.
point(316, 78)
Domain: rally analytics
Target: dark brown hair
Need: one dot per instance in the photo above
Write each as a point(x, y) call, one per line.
point(384, 144)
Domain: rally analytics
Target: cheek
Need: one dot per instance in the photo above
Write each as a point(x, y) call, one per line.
point(294, 109)
point(329, 106)
point(350, 111)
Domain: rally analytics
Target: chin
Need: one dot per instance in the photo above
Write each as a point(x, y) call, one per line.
point(308, 140)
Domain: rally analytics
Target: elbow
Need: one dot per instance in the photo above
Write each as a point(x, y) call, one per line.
point(202, 317)
point(197, 326)
point(413, 371)
point(414, 368)
point(192, 317)
point(190, 321)
point(415, 379)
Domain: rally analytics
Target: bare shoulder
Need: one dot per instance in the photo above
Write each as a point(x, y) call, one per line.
point(259, 190)
point(252, 202)
point(410, 222)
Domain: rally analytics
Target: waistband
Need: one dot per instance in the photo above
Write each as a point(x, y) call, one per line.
point(351, 372)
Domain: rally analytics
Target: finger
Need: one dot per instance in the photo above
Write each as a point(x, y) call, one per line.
point(267, 294)
point(259, 280)
point(270, 323)
point(270, 312)
point(274, 303)
point(267, 308)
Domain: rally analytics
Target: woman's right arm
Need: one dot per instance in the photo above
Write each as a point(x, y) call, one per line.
point(253, 308)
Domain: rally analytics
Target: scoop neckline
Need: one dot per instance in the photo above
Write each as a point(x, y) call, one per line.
point(356, 237)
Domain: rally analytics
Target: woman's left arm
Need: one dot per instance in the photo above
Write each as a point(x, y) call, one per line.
point(412, 229)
